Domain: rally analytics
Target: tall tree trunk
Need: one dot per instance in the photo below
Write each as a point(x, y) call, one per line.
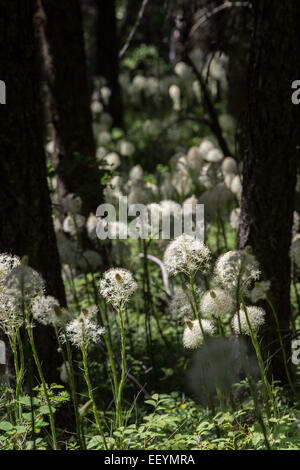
point(269, 173)
point(59, 27)
point(108, 56)
point(26, 226)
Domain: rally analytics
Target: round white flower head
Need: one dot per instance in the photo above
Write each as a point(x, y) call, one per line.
point(117, 286)
point(82, 331)
point(236, 186)
point(214, 155)
point(46, 310)
point(182, 182)
point(105, 94)
point(72, 203)
point(104, 138)
point(23, 284)
point(11, 318)
point(126, 148)
point(7, 263)
point(182, 301)
point(91, 312)
point(50, 147)
point(256, 316)
point(91, 226)
point(192, 335)
point(65, 372)
point(205, 146)
point(229, 166)
point(96, 107)
point(295, 250)
point(296, 223)
point(73, 224)
point(174, 92)
point(100, 153)
point(42, 309)
point(235, 218)
point(216, 303)
point(236, 270)
point(194, 159)
point(183, 70)
point(111, 161)
point(186, 254)
point(136, 173)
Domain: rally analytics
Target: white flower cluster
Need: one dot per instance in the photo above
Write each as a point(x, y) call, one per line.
point(182, 301)
point(236, 270)
point(46, 310)
point(117, 286)
point(256, 317)
point(192, 335)
point(7, 263)
point(82, 331)
point(295, 250)
point(11, 318)
point(216, 303)
point(23, 284)
point(235, 218)
point(186, 254)
point(72, 203)
point(19, 285)
point(73, 224)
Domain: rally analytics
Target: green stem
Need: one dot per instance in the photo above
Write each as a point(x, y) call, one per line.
point(13, 344)
point(123, 374)
point(71, 379)
point(260, 361)
point(44, 385)
point(91, 395)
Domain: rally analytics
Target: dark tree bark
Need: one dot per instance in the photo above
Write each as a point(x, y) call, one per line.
point(26, 226)
point(59, 28)
point(269, 173)
point(108, 56)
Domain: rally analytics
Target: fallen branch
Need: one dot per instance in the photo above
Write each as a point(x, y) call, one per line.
point(164, 273)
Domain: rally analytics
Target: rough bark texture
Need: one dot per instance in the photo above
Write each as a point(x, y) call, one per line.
point(107, 56)
point(269, 172)
point(59, 27)
point(26, 226)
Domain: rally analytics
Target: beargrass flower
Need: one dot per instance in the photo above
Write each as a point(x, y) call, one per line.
point(186, 254)
point(46, 310)
point(237, 270)
point(72, 203)
point(193, 336)
point(256, 317)
point(23, 284)
point(11, 317)
point(7, 263)
point(83, 331)
point(295, 250)
point(73, 224)
point(216, 303)
point(117, 286)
